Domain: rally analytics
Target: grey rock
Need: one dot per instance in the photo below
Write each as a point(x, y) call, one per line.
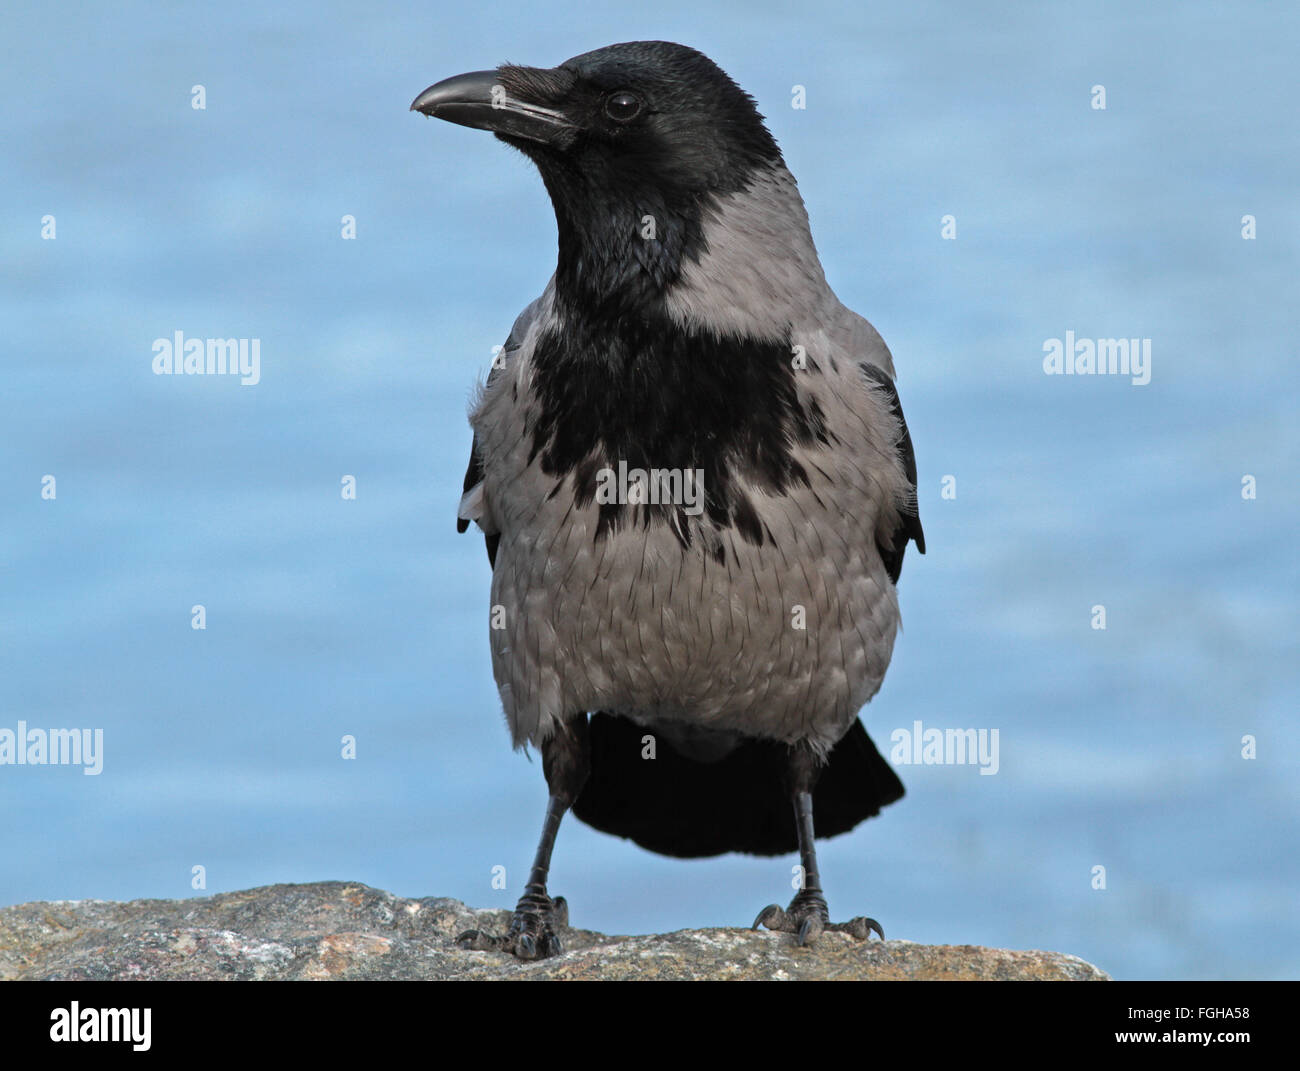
point(346, 930)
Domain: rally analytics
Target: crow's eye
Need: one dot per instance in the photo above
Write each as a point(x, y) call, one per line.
point(622, 106)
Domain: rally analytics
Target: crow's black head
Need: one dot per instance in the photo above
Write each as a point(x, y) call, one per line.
point(633, 141)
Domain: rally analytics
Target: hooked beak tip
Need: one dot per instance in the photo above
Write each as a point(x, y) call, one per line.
point(477, 99)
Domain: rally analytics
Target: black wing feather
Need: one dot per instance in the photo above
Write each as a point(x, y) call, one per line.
point(473, 475)
point(474, 471)
point(910, 528)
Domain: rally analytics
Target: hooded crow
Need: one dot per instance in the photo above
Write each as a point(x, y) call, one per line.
point(696, 486)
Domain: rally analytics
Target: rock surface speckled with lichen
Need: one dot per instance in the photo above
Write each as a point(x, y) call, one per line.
point(345, 930)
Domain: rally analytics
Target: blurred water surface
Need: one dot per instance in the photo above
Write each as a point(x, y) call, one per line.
point(1119, 748)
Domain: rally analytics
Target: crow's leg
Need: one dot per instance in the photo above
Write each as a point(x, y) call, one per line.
point(566, 761)
point(807, 916)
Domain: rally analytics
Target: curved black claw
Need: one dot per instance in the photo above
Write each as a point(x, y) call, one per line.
point(860, 927)
point(531, 934)
point(807, 917)
point(477, 941)
point(809, 930)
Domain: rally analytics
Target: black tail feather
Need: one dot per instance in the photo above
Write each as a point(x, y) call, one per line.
point(678, 806)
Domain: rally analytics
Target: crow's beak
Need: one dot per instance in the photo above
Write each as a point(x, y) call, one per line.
point(478, 99)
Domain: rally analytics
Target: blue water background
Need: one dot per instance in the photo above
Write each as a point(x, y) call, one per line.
point(1119, 748)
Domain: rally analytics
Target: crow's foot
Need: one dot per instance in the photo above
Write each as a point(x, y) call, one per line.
point(807, 917)
point(532, 929)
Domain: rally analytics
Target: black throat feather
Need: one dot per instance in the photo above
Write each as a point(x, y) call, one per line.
point(642, 390)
